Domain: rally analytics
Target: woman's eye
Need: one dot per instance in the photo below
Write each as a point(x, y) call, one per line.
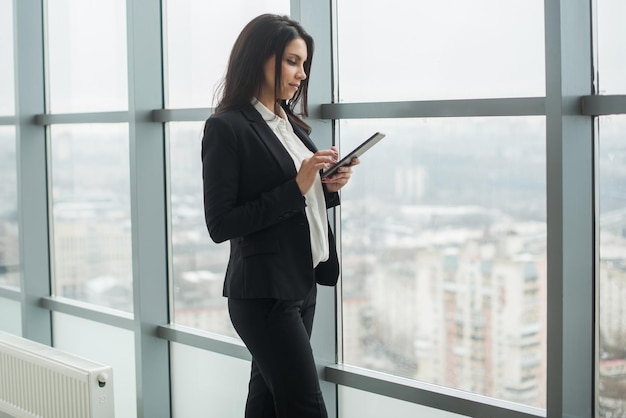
point(291, 62)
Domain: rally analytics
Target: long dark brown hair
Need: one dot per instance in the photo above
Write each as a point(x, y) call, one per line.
point(263, 37)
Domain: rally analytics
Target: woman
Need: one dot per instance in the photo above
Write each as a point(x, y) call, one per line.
point(263, 192)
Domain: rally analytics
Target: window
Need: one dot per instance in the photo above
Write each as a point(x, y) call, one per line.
point(359, 404)
point(612, 272)
point(198, 264)
point(611, 49)
point(442, 224)
point(91, 214)
point(199, 37)
point(7, 77)
point(445, 49)
point(86, 57)
point(9, 239)
point(105, 344)
point(87, 71)
point(611, 275)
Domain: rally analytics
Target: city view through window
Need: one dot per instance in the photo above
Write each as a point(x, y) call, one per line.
point(612, 270)
point(9, 244)
point(443, 249)
point(444, 254)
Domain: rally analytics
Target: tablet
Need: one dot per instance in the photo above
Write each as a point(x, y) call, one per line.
point(357, 152)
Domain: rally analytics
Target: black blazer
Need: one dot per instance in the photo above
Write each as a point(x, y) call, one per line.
point(251, 198)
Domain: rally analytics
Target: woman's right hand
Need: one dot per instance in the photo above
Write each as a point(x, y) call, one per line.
point(310, 168)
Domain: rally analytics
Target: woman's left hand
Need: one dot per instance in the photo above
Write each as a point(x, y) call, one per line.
point(335, 182)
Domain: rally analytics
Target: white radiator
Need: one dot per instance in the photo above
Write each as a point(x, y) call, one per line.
point(40, 381)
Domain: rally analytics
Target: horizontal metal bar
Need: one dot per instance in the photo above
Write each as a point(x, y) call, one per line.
point(434, 396)
point(8, 120)
point(525, 106)
point(95, 117)
point(181, 115)
point(11, 293)
point(88, 311)
point(597, 105)
point(204, 340)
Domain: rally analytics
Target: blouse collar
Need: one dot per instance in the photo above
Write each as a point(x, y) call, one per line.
point(267, 115)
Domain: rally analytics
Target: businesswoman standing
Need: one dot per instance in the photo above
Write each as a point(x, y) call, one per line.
point(263, 192)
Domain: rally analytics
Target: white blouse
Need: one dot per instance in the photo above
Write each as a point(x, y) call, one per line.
point(315, 208)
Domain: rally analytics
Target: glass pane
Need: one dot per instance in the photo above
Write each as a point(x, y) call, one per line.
point(444, 49)
point(9, 238)
point(198, 264)
point(199, 37)
point(104, 344)
point(91, 214)
point(354, 403)
point(7, 80)
point(444, 254)
point(11, 316)
point(207, 384)
point(612, 388)
point(86, 57)
point(611, 47)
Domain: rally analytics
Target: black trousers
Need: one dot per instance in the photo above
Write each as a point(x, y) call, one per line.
point(283, 380)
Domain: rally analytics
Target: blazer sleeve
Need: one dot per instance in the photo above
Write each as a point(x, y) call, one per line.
point(332, 198)
point(226, 165)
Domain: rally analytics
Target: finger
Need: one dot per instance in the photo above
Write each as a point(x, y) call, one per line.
point(327, 152)
point(317, 162)
point(344, 172)
point(336, 178)
point(325, 157)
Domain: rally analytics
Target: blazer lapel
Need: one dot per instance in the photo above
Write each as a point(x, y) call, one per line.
point(267, 136)
point(304, 137)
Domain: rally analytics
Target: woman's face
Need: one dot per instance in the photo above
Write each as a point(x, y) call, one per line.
point(292, 73)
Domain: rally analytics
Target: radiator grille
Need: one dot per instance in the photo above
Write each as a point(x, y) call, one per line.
point(38, 381)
